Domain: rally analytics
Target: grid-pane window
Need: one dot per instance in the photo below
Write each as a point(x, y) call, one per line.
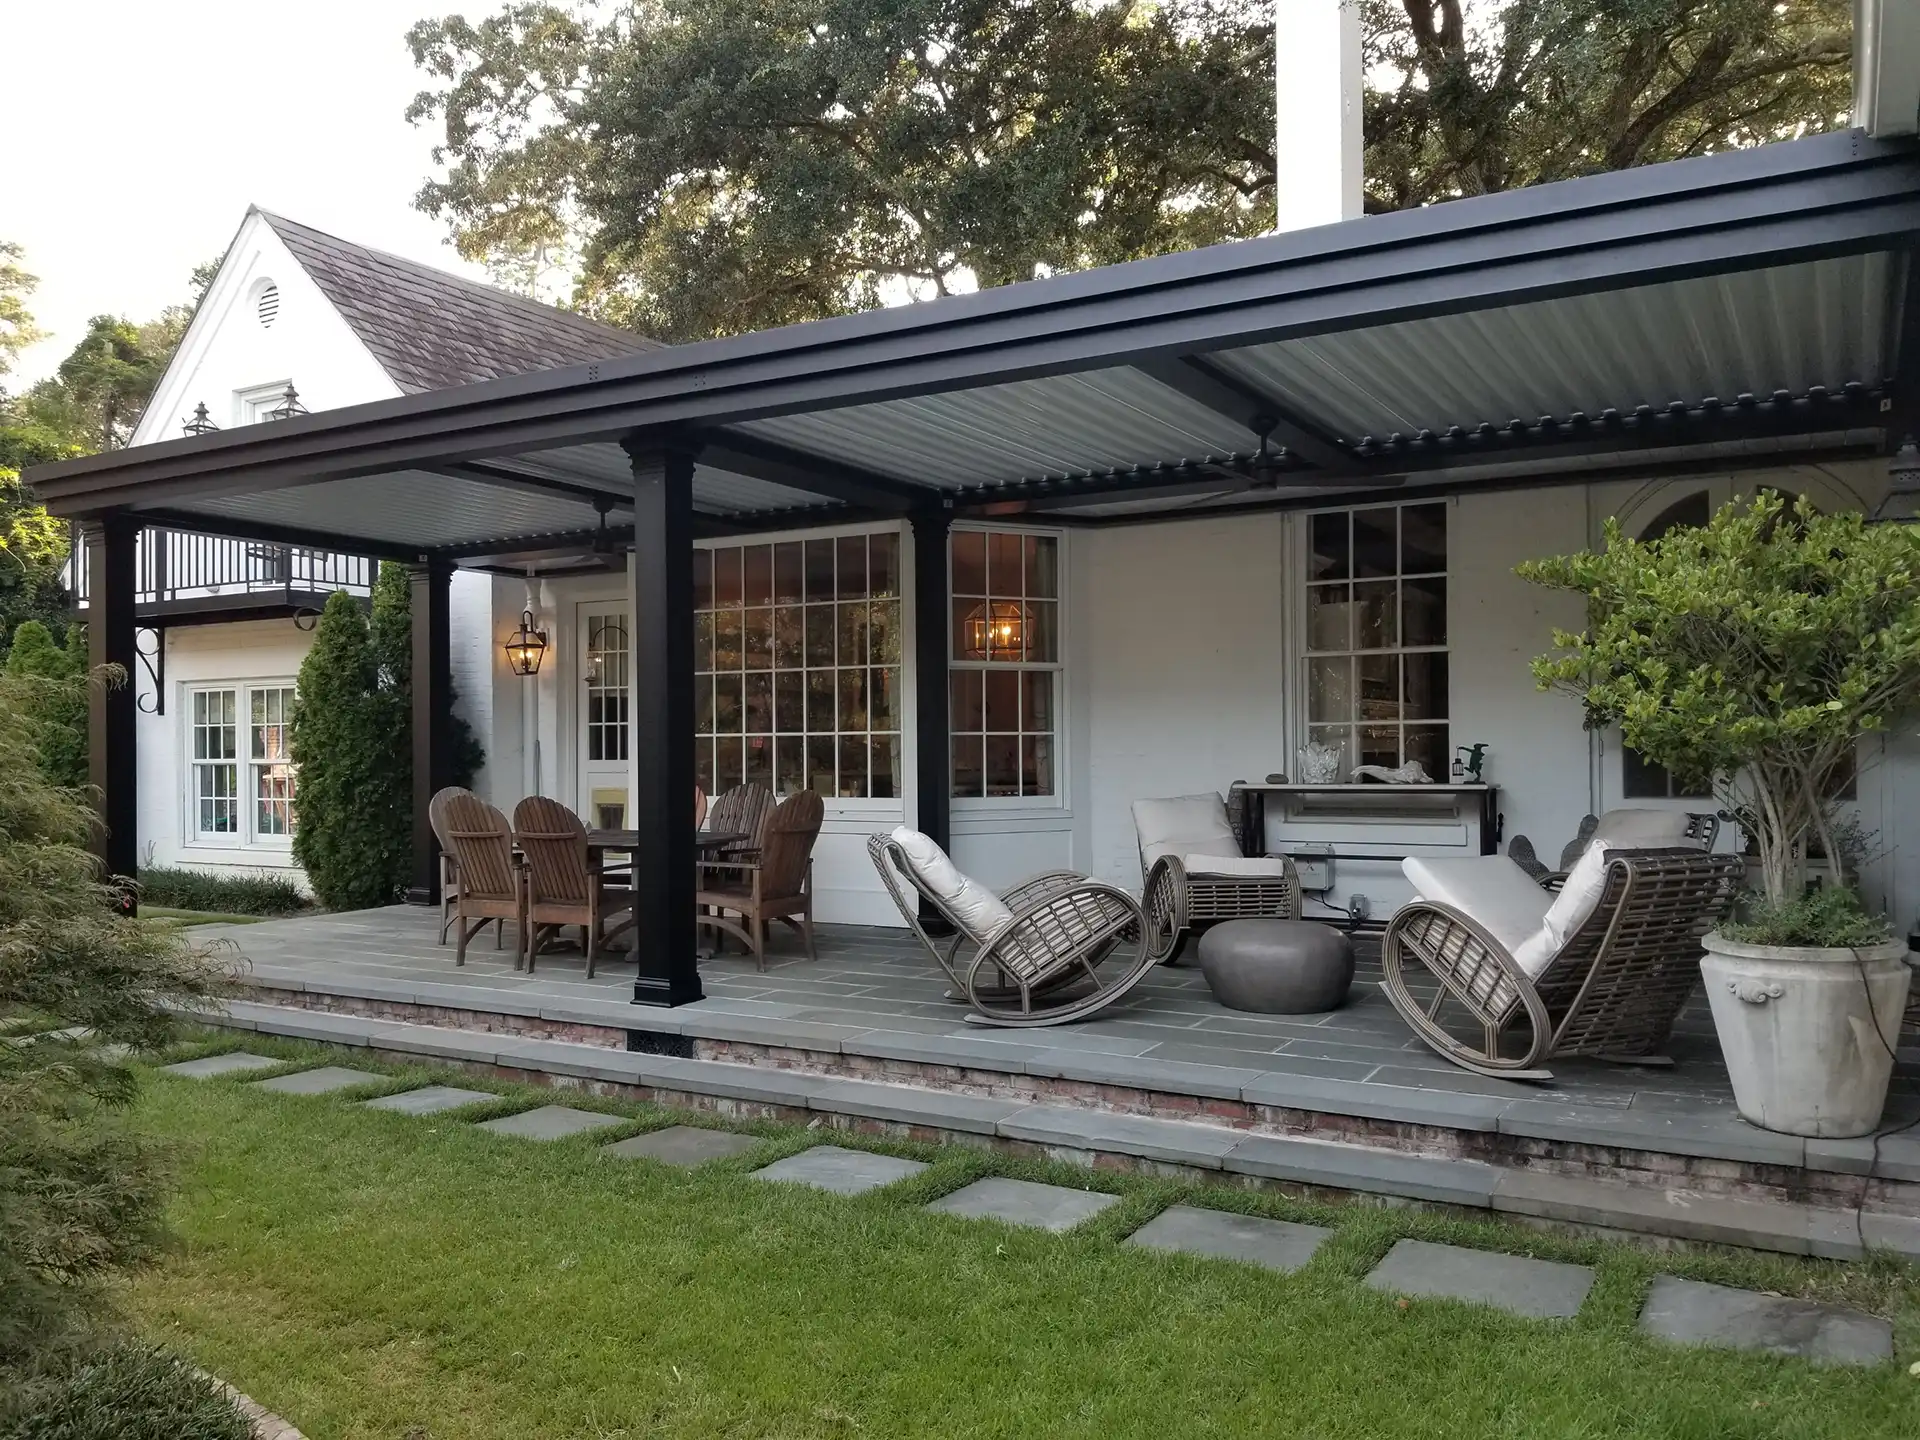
point(1377, 636)
point(797, 666)
point(215, 765)
point(608, 658)
point(1005, 669)
point(267, 758)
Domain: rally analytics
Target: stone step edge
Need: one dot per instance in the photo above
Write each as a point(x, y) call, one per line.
point(1029, 1053)
point(1081, 1134)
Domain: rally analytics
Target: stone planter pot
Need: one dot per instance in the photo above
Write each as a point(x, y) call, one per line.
point(1807, 1052)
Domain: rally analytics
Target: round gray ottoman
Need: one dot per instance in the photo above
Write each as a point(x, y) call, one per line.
point(1277, 967)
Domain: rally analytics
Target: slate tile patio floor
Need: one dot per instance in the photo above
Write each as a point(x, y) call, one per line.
point(876, 984)
point(1677, 1310)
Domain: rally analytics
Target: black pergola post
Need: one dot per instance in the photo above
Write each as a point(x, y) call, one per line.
point(112, 755)
point(662, 690)
point(933, 785)
point(430, 614)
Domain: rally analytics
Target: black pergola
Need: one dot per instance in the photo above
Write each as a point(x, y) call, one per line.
point(1702, 314)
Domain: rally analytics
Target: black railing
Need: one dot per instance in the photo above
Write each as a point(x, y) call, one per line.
point(175, 568)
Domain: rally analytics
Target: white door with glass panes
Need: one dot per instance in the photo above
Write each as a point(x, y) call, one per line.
point(605, 662)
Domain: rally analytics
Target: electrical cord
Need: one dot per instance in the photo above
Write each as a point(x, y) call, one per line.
point(1893, 1056)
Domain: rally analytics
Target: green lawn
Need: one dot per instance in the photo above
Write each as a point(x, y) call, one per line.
point(367, 1274)
point(184, 918)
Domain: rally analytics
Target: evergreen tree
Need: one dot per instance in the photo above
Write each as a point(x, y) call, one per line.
point(53, 695)
point(353, 836)
point(80, 1197)
point(33, 548)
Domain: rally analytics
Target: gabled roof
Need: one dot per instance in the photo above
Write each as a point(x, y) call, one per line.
point(434, 331)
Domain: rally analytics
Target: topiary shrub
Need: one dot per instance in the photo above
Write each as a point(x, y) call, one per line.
point(1756, 650)
point(126, 1392)
point(352, 739)
point(354, 832)
point(54, 697)
point(80, 1197)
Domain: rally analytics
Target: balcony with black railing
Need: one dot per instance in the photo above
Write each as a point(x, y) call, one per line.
point(184, 578)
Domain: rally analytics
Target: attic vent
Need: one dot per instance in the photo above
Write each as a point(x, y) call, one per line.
point(267, 305)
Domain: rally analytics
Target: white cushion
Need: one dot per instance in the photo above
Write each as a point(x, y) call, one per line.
point(1184, 825)
point(1247, 867)
point(1581, 893)
point(1489, 889)
point(1642, 829)
point(976, 907)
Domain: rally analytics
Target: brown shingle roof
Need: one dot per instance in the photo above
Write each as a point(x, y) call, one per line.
point(434, 331)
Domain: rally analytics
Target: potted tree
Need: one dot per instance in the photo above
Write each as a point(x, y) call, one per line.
point(1758, 650)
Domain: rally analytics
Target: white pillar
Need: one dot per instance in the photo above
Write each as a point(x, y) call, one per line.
point(1317, 135)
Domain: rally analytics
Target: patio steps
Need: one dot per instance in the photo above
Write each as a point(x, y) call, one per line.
point(1105, 1138)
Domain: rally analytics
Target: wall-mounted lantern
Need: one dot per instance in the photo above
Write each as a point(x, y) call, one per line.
point(526, 647)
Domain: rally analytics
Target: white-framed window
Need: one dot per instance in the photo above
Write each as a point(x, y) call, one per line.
point(1004, 664)
point(609, 654)
point(270, 768)
point(1376, 614)
point(797, 661)
point(252, 405)
point(240, 787)
point(215, 793)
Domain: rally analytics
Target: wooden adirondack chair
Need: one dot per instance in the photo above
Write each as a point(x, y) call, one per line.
point(778, 885)
point(488, 883)
point(563, 887)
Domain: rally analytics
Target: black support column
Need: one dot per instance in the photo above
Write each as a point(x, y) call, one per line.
point(662, 690)
point(430, 618)
point(112, 755)
point(933, 745)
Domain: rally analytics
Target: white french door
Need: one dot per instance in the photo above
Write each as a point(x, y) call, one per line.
point(605, 658)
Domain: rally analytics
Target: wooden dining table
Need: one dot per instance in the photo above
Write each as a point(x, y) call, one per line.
point(601, 843)
point(705, 842)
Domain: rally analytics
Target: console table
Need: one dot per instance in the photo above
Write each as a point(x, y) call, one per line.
point(1371, 826)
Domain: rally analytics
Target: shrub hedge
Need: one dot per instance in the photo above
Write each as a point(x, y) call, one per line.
point(224, 894)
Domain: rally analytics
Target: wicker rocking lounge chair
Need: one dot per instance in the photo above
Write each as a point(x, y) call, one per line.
point(1195, 873)
point(1040, 944)
point(1607, 984)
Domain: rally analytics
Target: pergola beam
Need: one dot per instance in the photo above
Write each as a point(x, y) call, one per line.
point(775, 464)
point(501, 478)
point(270, 534)
point(1207, 385)
point(1823, 197)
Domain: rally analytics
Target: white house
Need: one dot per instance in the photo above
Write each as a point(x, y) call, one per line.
point(226, 623)
point(1119, 619)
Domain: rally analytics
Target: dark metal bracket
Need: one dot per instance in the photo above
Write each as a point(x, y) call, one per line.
point(154, 662)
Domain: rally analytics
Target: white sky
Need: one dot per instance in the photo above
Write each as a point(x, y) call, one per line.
point(135, 133)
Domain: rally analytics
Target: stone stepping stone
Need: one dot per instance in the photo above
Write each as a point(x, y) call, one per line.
point(232, 1063)
point(550, 1122)
point(1689, 1312)
point(844, 1172)
point(428, 1100)
point(685, 1145)
point(1022, 1202)
point(1188, 1230)
point(1540, 1289)
point(323, 1081)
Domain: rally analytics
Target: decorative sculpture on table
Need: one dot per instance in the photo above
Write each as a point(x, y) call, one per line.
point(1469, 762)
point(1411, 773)
point(1319, 764)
